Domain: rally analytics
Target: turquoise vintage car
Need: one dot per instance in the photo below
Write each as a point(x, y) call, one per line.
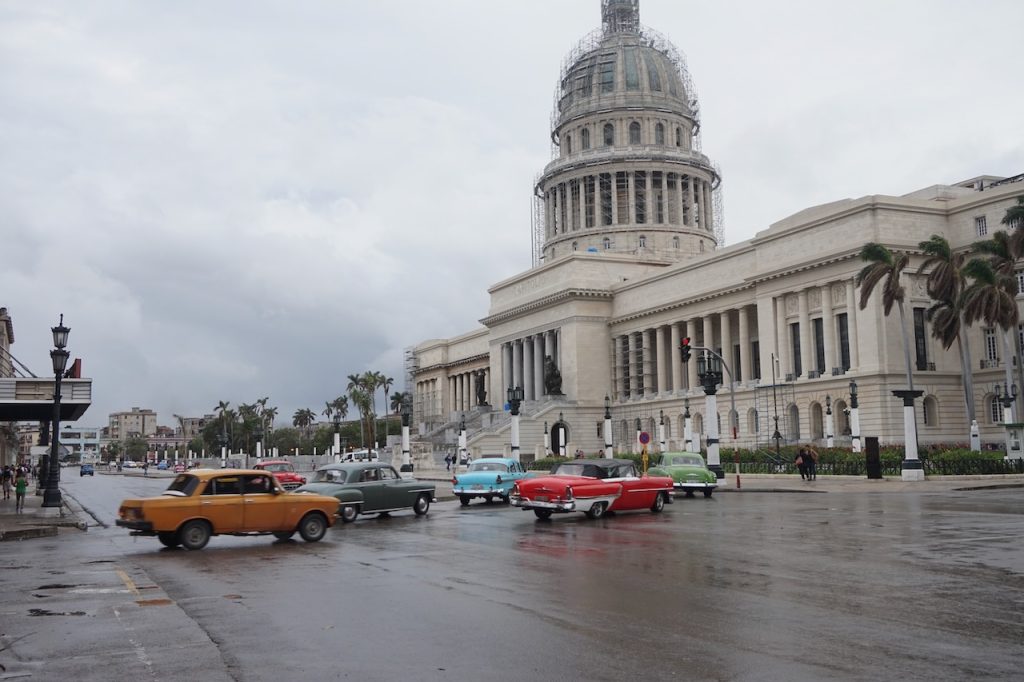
point(369, 488)
point(688, 471)
point(488, 478)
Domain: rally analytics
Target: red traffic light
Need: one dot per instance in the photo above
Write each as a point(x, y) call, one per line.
point(684, 349)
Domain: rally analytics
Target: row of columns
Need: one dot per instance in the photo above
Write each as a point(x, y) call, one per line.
point(462, 389)
point(522, 362)
point(427, 398)
point(606, 199)
point(832, 350)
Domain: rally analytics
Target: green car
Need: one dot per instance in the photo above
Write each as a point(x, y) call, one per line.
point(688, 471)
point(369, 488)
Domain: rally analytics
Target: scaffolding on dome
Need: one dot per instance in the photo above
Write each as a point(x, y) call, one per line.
point(718, 209)
point(537, 224)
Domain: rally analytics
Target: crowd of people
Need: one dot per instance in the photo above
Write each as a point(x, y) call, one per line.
point(16, 478)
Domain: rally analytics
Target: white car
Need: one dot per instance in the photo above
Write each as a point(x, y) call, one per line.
point(361, 456)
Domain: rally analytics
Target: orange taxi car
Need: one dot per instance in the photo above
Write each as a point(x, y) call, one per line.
point(205, 502)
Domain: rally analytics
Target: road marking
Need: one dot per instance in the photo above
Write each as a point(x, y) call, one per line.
point(127, 581)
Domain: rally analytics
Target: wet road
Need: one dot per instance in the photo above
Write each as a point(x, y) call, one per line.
point(738, 587)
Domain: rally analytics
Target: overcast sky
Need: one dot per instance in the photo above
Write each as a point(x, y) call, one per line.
point(231, 200)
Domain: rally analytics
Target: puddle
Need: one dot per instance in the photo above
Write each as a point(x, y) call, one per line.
point(45, 612)
point(57, 586)
point(232, 596)
point(153, 602)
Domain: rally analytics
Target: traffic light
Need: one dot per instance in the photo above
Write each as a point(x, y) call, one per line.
point(684, 348)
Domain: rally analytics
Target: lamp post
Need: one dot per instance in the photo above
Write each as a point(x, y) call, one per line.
point(561, 435)
point(515, 398)
point(406, 469)
point(258, 435)
point(59, 356)
point(547, 440)
point(223, 439)
point(1007, 398)
point(829, 437)
point(462, 443)
point(688, 428)
point(337, 437)
point(709, 369)
point(607, 427)
point(854, 417)
point(661, 431)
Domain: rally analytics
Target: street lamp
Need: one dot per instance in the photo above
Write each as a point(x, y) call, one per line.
point(258, 435)
point(828, 421)
point(709, 369)
point(223, 440)
point(59, 356)
point(636, 436)
point(561, 436)
point(1007, 399)
point(688, 428)
point(337, 437)
point(607, 427)
point(406, 454)
point(854, 417)
point(661, 430)
point(547, 440)
point(515, 398)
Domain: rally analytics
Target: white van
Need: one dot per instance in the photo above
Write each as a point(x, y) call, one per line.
point(361, 456)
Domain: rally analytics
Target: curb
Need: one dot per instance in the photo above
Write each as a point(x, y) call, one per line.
point(27, 532)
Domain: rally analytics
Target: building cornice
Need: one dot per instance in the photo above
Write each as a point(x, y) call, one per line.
point(545, 302)
point(454, 364)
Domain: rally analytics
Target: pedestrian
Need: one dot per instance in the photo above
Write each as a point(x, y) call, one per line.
point(20, 486)
point(801, 463)
point(811, 461)
point(145, 468)
point(447, 462)
point(8, 477)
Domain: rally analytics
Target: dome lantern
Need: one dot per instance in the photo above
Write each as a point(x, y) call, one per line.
point(620, 16)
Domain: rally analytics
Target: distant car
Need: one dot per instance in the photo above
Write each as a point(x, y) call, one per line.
point(369, 488)
point(87, 470)
point(179, 468)
point(129, 464)
point(284, 471)
point(361, 456)
point(162, 465)
point(688, 471)
point(592, 486)
point(488, 478)
point(207, 502)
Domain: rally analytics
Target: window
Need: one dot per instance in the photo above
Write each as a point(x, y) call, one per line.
point(675, 242)
point(608, 75)
point(585, 138)
point(227, 485)
point(607, 243)
point(653, 76)
point(995, 410)
point(630, 67)
point(634, 133)
point(575, 246)
point(1020, 281)
point(844, 341)
point(388, 474)
point(588, 200)
point(369, 475)
point(818, 325)
point(659, 134)
point(755, 358)
point(930, 411)
point(609, 134)
point(643, 241)
point(794, 335)
point(640, 196)
point(1020, 338)
point(568, 144)
point(991, 354)
point(1015, 222)
point(255, 485)
point(920, 341)
point(980, 226)
point(679, 136)
point(606, 198)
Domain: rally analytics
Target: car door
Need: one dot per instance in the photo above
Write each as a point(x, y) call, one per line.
point(370, 485)
point(263, 509)
point(637, 492)
point(394, 489)
point(221, 503)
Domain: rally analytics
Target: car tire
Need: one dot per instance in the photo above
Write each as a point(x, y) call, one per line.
point(597, 510)
point(284, 534)
point(168, 538)
point(659, 503)
point(348, 513)
point(422, 505)
point(464, 500)
point(313, 527)
point(542, 514)
point(707, 493)
point(194, 534)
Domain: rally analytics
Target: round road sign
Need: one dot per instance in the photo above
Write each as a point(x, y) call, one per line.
point(645, 438)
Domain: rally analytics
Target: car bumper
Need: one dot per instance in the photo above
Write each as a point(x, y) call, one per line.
point(143, 526)
point(694, 485)
point(526, 503)
point(480, 492)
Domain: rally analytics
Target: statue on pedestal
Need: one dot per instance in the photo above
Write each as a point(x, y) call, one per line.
point(552, 377)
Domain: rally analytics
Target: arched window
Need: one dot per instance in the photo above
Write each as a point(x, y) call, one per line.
point(995, 410)
point(817, 422)
point(643, 241)
point(794, 422)
point(675, 242)
point(634, 133)
point(734, 420)
point(609, 134)
point(575, 245)
point(607, 243)
point(585, 138)
point(679, 136)
point(752, 425)
point(702, 246)
point(698, 424)
point(568, 144)
point(659, 134)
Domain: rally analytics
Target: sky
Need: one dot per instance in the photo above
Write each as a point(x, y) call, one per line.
point(237, 199)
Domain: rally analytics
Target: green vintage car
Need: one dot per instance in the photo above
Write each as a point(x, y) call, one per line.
point(369, 488)
point(688, 471)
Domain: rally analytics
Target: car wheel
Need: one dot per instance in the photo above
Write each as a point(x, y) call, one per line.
point(504, 499)
point(348, 513)
point(659, 503)
point(707, 492)
point(167, 538)
point(194, 535)
point(464, 500)
point(542, 514)
point(284, 535)
point(596, 510)
point(421, 505)
point(312, 527)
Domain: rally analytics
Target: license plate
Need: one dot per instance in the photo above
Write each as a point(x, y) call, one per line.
point(542, 498)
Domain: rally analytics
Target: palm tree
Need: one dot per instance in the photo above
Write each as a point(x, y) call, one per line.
point(356, 388)
point(1014, 220)
point(222, 408)
point(340, 405)
point(328, 410)
point(992, 299)
point(386, 383)
point(1003, 253)
point(884, 264)
point(946, 284)
point(398, 399)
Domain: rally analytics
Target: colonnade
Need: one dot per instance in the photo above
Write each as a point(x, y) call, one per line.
point(629, 198)
point(802, 351)
point(522, 362)
point(463, 389)
point(427, 399)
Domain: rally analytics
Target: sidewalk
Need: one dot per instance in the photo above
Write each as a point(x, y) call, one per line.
point(36, 521)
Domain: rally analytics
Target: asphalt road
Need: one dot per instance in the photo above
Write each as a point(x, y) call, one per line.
point(908, 586)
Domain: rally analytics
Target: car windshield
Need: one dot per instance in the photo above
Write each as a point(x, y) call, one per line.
point(488, 466)
point(183, 484)
point(280, 466)
point(580, 469)
point(682, 460)
point(329, 476)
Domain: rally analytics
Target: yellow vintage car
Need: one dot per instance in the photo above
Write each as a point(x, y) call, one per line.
point(206, 502)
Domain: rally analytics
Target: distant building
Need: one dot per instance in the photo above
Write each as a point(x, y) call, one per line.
point(135, 423)
point(83, 442)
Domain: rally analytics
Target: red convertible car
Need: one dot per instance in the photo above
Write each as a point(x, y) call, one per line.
point(592, 486)
point(284, 472)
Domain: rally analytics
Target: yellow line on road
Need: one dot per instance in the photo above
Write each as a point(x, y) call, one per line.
point(128, 582)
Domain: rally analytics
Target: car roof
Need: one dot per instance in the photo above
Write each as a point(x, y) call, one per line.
point(206, 474)
point(602, 463)
point(351, 466)
point(500, 460)
point(274, 461)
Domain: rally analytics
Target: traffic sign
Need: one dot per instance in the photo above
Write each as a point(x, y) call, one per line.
point(645, 438)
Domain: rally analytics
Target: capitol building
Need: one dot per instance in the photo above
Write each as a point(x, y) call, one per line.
point(629, 261)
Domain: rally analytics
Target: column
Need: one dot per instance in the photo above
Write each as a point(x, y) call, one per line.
point(806, 356)
point(746, 370)
point(692, 213)
point(517, 363)
point(538, 365)
point(692, 381)
point(851, 325)
point(725, 325)
point(581, 186)
point(828, 324)
point(506, 369)
point(708, 203)
point(648, 356)
point(451, 403)
point(528, 387)
point(782, 338)
point(619, 389)
point(631, 198)
point(675, 362)
point(709, 332)
point(458, 394)
point(614, 191)
point(649, 198)
point(634, 384)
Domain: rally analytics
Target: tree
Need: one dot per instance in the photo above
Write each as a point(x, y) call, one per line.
point(886, 265)
point(945, 284)
point(1014, 220)
point(992, 299)
point(386, 383)
point(398, 399)
point(340, 405)
point(1002, 254)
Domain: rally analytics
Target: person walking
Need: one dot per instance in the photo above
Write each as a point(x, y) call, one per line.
point(8, 477)
point(811, 461)
point(20, 487)
point(801, 462)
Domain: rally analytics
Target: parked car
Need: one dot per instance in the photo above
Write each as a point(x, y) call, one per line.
point(488, 478)
point(361, 456)
point(369, 488)
point(162, 465)
point(87, 470)
point(207, 502)
point(284, 471)
point(592, 486)
point(688, 471)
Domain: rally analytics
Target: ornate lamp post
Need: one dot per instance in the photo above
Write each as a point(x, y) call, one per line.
point(636, 437)
point(59, 356)
point(829, 437)
point(406, 454)
point(462, 444)
point(689, 445)
point(709, 369)
point(547, 440)
point(561, 436)
point(661, 430)
point(854, 417)
point(607, 427)
point(515, 398)
point(1007, 399)
point(337, 437)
